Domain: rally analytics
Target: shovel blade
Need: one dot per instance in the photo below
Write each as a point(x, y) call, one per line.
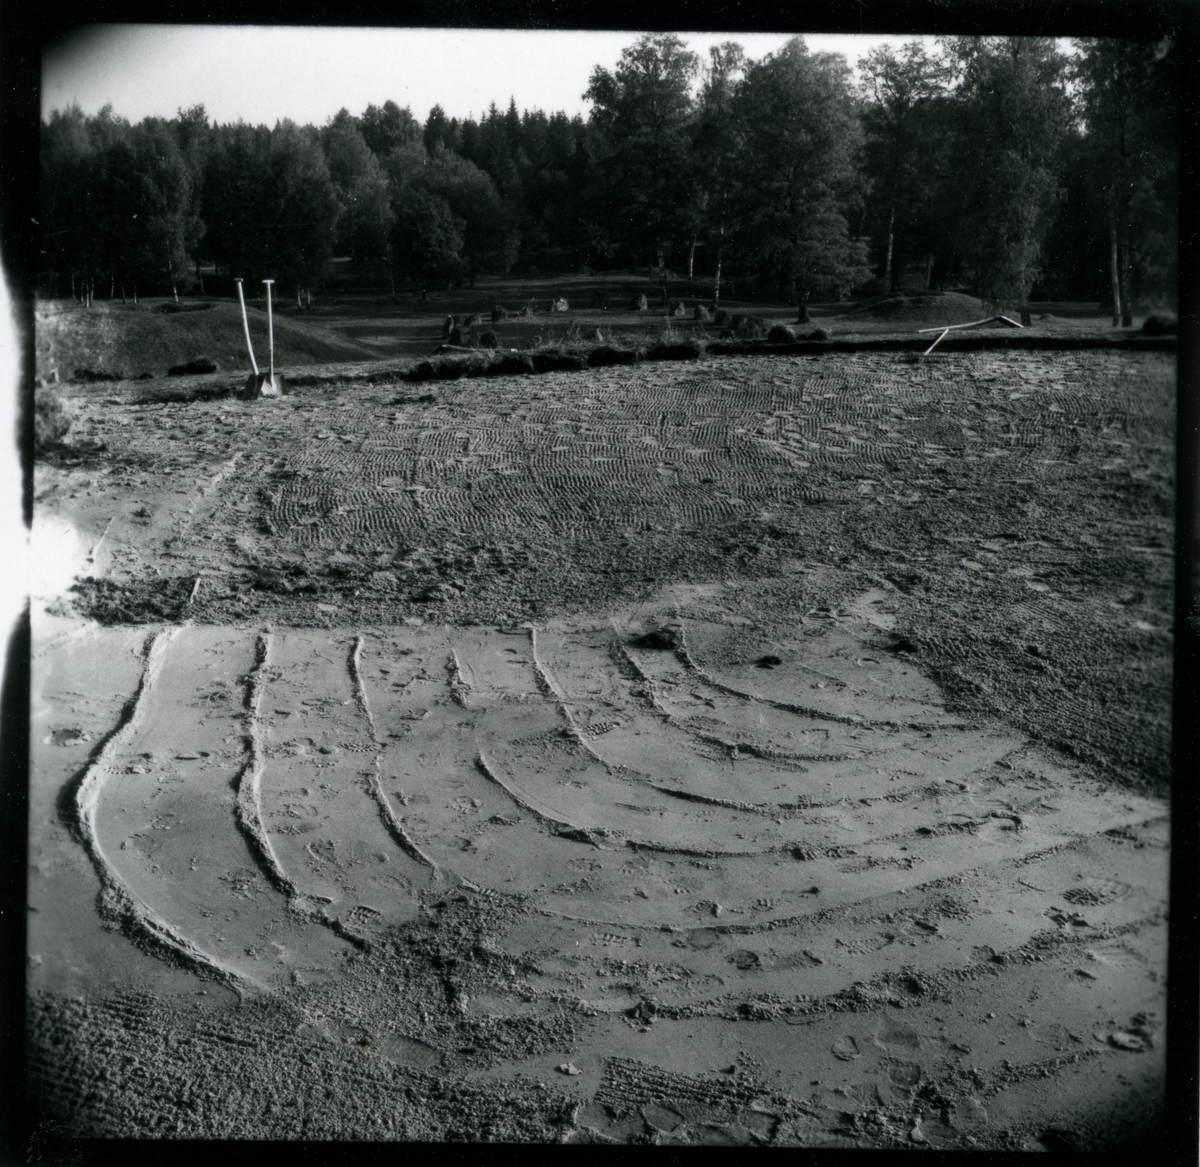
point(261, 385)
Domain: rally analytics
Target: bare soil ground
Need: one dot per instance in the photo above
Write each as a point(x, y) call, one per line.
point(745, 750)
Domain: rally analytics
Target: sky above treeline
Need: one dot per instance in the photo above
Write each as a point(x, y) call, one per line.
point(263, 74)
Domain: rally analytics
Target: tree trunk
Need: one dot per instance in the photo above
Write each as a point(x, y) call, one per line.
point(1126, 274)
point(887, 263)
point(692, 260)
point(797, 295)
point(1115, 269)
point(717, 276)
point(122, 291)
point(199, 277)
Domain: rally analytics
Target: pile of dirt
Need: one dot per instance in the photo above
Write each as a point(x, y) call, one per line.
point(131, 339)
point(921, 307)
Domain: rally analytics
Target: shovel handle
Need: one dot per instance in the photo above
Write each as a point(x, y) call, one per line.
point(246, 327)
point(270, 330)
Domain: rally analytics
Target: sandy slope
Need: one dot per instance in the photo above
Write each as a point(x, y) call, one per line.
point(128, 339)
point(566, 851)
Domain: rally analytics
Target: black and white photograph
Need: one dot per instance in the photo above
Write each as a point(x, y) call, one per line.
point(598, 587)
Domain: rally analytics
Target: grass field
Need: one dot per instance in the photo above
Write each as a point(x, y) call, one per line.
point(149, 338)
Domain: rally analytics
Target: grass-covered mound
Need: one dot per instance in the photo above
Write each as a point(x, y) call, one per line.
point(920, 309)
point(151, 337)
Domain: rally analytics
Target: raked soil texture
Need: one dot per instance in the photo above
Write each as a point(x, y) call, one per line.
point(765, 750)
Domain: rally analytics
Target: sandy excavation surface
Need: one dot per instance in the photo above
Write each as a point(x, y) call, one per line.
point(751, 751)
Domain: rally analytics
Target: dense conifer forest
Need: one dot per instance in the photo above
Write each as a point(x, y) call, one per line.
point(1003, 165)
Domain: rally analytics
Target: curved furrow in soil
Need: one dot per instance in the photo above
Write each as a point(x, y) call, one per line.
point(801, 758)
point(162, 808)
point(521, 756)
point(928, 931)
point(427, 718)
point(321, 810)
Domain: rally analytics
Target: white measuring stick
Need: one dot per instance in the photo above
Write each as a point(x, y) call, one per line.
point(973, 324)
point(945, 333)
point(946, 329)
point(270, 330)
point(246, 327)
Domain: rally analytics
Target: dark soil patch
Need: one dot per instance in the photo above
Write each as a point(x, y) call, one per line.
point(140, 602)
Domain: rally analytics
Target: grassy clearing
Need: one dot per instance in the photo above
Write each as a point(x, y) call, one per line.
point(599, 327)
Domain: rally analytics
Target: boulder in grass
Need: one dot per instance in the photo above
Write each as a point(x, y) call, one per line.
point(556, 360)
point(685, 350)
point(448, 327)
point(749, 327)
point(611, 355)
point(819, 334)
point(559, 305)
point(720, 317)
point(702, 314)
point(1160, 324)
point(97, 375)
point(457, 337)
point(447, 368)
point(780, 335)
point(678, 308)
point(499, 312)
point(190, 368)
point(510, 364)
point(474, 320)
point(487, 339)
point(639, 303)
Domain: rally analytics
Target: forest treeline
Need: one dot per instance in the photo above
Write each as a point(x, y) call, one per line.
point(1001, 164)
